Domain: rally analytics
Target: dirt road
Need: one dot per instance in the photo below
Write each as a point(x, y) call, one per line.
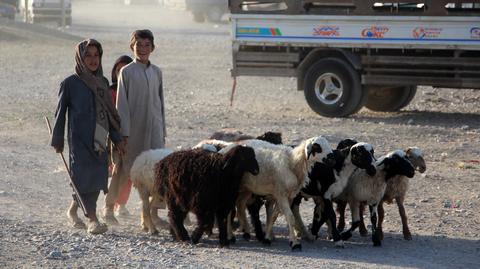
point(195, 59)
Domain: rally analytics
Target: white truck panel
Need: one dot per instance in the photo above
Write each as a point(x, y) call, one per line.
point(358, 31)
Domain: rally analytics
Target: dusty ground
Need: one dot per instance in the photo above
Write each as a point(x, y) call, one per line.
point(195, 59)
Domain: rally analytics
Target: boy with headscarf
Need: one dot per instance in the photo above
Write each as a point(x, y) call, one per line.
point(141, 107)
point(92, 118)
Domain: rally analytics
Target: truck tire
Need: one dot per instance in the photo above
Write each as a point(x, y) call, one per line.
point(333, 89)
point(389, 99)
point(198, 16)
point(215, 13)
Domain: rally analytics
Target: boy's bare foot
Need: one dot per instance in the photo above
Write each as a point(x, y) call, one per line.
point(122, 211)
point(95, 227)
point(109, 217)
point(73, 218)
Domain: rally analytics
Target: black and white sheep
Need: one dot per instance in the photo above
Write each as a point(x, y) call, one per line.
point(283, 172)
point(205, 183)
point(327, 183)
point(396, 189)
point(362, 187)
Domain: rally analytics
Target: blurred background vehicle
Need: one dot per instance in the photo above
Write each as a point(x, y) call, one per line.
point(47, 10)
point(8, 8)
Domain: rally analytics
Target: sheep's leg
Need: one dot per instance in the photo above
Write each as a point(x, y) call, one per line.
point(204, 221)
point(241, 207)
point(341, 206)
point(318, 219)
point(354, 206)
point(299, 225)
point(146, 219)
point(222, 228)
point(362, 228)
point(272, 213)
point(403, 215)
point(176, 217)
point(375, 233)
point(254, 211)
point(381, 215)
point(284, 206)
point(329, 213)
point(230, 237)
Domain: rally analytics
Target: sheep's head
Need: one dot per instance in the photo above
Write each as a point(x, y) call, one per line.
point(244, 157)
point(415, 156)
point(362, 156)
point(272, 137)
point(346, 143)
point(318, 149)
point(397, 163)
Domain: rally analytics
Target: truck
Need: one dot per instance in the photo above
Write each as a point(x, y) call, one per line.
point(350, 54)
point(212, 10)
point(47, 10)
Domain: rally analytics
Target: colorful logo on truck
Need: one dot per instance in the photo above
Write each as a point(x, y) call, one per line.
point(475, 32)
point(256, 31)
point(425, 33)
point(375, 32)
point(326, 31)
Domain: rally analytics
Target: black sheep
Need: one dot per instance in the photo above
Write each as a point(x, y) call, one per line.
point(204, 183)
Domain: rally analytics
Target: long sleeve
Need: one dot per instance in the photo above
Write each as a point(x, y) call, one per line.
point(122, 105)
point(58, 131)
point(160, 92)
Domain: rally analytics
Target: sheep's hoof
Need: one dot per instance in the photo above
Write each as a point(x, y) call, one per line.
point(232, 240)
point(339, 244)
point(341, 227)
point(296, 247)
point(407, 235)
point(376, 239)
point(153, 232)
point(380, 233)
point(363, 232)
point(267, 242)
point(260, 236)
point(246, 236)
point(224, 244)
point(346, 235)
point(309, 237)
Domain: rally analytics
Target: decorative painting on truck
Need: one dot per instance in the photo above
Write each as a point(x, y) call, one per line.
point(326, 31)
point(375, 32)
point(425, 32)
point(258, 31)
point(475, 33)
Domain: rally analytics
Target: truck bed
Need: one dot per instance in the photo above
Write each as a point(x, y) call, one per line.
point(406, 32)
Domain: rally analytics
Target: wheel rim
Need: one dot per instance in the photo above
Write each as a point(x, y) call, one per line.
point(329, 88)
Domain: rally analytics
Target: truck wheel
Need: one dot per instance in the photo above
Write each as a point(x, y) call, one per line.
point(215, 13)
point(388, 99)
point(198, 16)
point(333, 89)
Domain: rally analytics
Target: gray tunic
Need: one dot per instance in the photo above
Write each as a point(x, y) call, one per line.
point(140, 105)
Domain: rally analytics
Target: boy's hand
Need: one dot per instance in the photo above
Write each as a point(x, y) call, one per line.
point(122, 146)
point(58, 149)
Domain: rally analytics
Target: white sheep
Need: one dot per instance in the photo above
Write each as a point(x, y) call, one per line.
point(370, 189)
point(142, 175)
point(283, 172)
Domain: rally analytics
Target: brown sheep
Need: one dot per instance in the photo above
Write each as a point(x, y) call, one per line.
point(205, 183)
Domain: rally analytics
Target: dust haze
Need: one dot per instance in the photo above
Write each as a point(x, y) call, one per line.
point(195, 59)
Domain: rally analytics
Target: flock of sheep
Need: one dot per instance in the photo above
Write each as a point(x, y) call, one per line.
point(225, 176)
